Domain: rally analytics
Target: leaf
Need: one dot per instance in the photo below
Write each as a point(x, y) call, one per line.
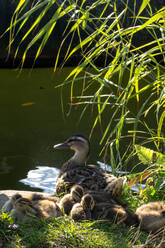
point(27, 104)
point(161, 123)
point(150, 20)
point(148, 156)
point(132, 182)
point(140, 178)
point(143, 6)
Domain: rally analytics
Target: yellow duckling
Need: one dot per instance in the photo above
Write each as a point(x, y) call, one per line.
point(82, 210)
point(90, 177)
point(152, 216)
point(67, 202)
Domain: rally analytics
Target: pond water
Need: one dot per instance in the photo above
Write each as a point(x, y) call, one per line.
point(32, 121)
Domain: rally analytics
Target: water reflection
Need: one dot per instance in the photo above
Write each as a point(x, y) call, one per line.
point(43, 177)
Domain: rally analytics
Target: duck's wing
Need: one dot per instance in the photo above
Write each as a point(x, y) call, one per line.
point(90, 177)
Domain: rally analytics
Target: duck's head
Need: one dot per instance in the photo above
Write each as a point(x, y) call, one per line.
point(77, 193)
point(88, 204)
point(80, 144)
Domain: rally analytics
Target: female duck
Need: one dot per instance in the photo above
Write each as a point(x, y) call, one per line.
point(90, 177)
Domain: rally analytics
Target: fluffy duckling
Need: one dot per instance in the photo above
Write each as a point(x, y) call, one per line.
point(104, 197)
point(82, 210)
point(152, 216)
point(22, 208)
point(114, 212)
point(47, 209)
point(39, 205)
point(67, 202)
point(8, 206)
point(38, 197)
point(90, 177)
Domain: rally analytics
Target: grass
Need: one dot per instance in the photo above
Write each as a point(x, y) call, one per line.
point(63, 232)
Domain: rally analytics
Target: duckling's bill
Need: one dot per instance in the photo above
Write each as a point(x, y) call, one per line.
point(88, 213)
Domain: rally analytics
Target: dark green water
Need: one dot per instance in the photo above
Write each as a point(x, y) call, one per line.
point(32, 121)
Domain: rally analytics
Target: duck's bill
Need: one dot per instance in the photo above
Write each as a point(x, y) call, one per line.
point(61, 146)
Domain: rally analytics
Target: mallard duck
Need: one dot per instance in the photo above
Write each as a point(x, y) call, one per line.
point(90, 177)
point(151, 216)
point(82, 210)
point(67, 202)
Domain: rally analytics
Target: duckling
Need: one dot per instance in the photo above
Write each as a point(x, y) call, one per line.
point(67, 202)
point(152, 216)
point(90, 177)
point(106, 207)
point(104, 197)
point(22, 208)
point(82, 210)
point(47, 209)
point(8, 206)
point(34, 204)
point(38, 197)
point(45, 206)
point(114, 212)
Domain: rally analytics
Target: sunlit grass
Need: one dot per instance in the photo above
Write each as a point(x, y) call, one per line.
point(63, 232)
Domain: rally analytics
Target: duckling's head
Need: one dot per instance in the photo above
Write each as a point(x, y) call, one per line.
point(15, 197)
point(80, 144)
point(77, 192)
point(22, 204)
point(88, 204)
